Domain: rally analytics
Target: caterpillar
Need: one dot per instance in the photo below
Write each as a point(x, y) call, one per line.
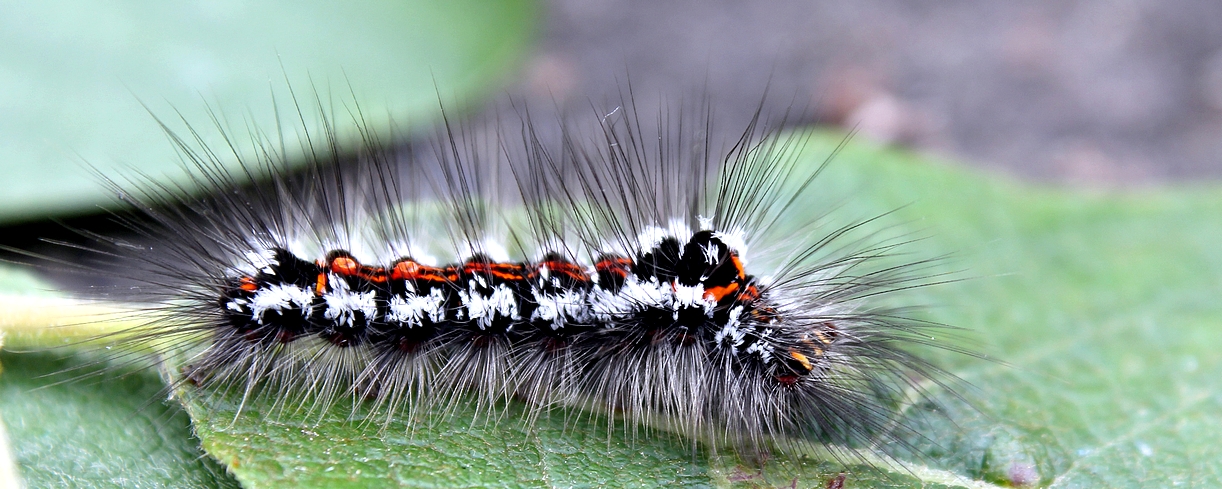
point(647, 275)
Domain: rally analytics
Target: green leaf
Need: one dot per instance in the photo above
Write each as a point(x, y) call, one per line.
point(17, 281)
point(8, 465)
point(108, 429)
point(1102, 304)
point(77, 73)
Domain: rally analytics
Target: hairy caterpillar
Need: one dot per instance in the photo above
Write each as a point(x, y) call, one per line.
point(648, 275)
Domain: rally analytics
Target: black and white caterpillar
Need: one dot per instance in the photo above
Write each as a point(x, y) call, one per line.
point(601, 267)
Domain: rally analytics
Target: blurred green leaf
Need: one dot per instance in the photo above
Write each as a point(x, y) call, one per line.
point(74, 75)
point(15, 280)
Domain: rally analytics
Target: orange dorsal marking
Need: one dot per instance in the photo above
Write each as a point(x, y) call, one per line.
point(715, 294)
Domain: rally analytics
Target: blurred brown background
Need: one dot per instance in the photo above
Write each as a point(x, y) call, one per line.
point(1097, 92)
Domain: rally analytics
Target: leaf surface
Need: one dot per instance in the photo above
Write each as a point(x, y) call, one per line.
point(1101, 304)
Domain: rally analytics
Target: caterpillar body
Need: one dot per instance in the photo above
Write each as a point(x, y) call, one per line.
point(606, 269)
